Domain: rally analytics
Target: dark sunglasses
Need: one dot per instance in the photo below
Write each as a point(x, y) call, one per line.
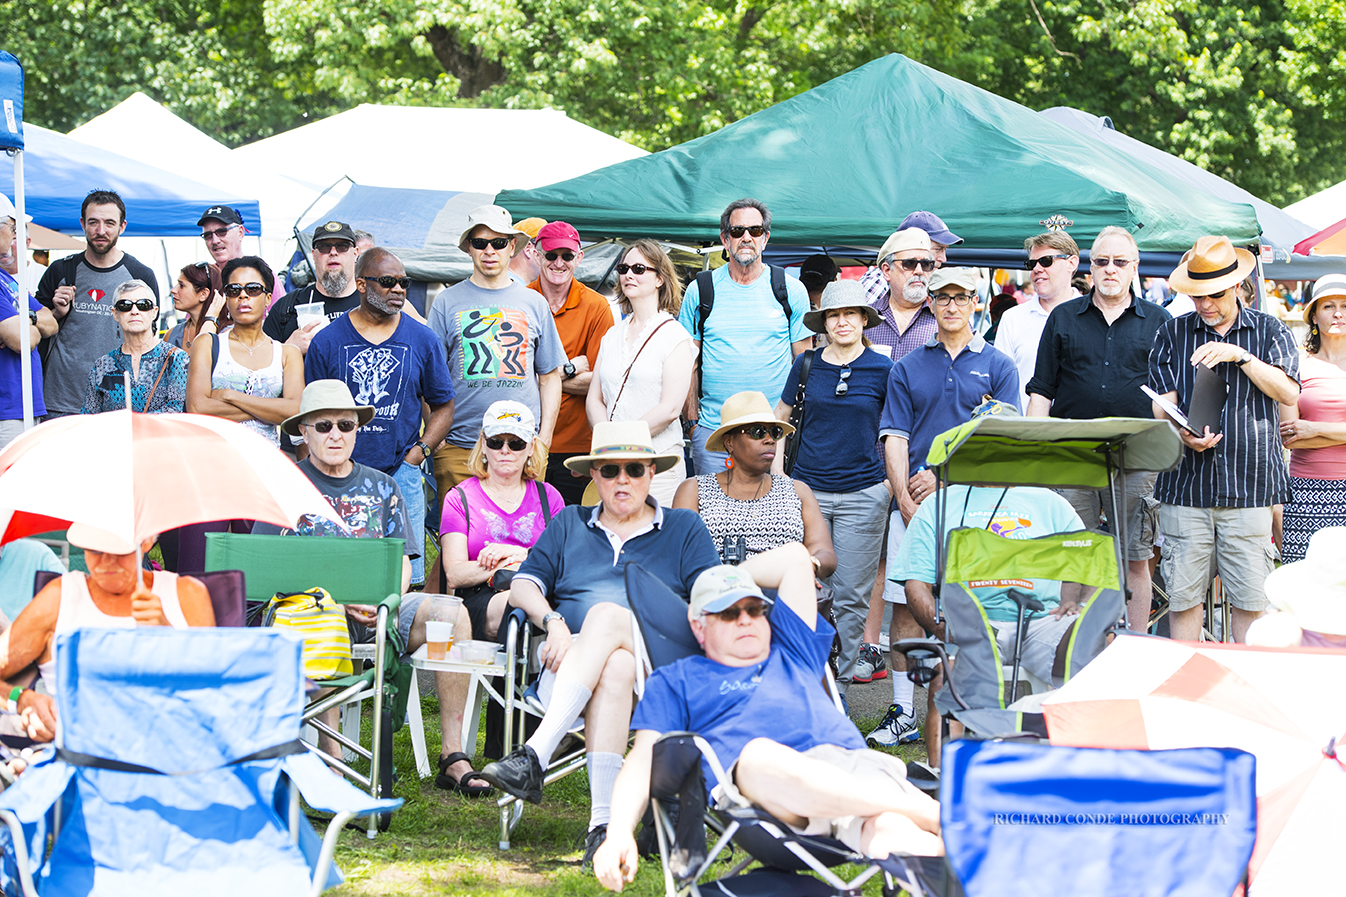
point(498, 243)
point(1105, 262)
point(327, 247)
point(387, 281)
point(325, 426)
point(739, 230)
point(634, 469)
point(1212, 296)
point(760, 431)
point(218, 233)
point(564, 255)
point(636, 269)
point(731, 614)
point(127, 304)
point(842, 386)
point(926, 265)
point(234, 290)
point(496, 443)
point(1045, 261)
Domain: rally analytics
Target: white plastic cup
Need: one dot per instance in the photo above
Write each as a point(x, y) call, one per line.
point(438, 639)
point(310, 313)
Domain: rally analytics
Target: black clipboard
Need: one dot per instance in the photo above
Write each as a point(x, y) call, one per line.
point(1208, 397)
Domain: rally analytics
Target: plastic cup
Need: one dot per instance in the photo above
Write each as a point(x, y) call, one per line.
point(310, 313)
point(438, 639)
point(478, 652)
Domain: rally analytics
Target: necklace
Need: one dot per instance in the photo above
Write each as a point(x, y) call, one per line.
point(757, 512)
point(233, 336)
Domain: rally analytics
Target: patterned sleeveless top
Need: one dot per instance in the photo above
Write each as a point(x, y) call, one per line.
point(764, 523)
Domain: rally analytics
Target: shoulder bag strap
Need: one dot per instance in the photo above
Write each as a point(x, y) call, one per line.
point(613, 409)
point(542, 500)
point(168, 359)
point(797, 411)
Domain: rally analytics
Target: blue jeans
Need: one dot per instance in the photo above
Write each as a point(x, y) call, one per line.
point(706, 461)
point(409, 482)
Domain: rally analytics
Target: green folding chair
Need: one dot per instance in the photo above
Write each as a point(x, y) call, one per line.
point(353, 571)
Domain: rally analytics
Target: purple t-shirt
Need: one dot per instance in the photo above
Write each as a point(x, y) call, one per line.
point(488, 523)
point(11, 376)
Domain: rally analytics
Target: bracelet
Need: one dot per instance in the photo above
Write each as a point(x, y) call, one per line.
point(210, 319)
point(14, 694)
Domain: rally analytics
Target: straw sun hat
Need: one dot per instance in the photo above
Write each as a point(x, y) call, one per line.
point(739, 410)
point(624, 440)
point(1212, 266)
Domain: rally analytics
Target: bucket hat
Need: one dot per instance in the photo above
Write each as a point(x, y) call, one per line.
point(326, 395)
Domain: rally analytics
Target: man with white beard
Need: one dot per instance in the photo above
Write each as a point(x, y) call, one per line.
point(334, 258)
point(906, 260)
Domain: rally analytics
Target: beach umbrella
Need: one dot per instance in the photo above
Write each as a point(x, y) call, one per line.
point(137, 475)
point(1286, 706)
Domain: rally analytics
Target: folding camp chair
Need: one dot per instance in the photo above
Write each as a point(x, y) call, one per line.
point(353, 571)
point(1037, 819)
point(663, 636)
point(178, 770)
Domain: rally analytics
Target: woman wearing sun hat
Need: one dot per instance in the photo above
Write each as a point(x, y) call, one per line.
point(1315, 429)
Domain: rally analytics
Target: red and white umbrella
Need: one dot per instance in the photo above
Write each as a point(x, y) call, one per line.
point(1286, 706)
point(137, 475)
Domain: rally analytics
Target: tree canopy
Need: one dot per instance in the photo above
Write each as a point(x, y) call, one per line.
point(1248, 91)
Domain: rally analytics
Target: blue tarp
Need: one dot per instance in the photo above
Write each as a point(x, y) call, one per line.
point(60, 172)
point(11, 102)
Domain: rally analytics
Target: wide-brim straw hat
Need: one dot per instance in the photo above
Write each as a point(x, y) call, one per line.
point(327, 395)
point(741, 409)
point(622, 440)
point(1211, 266)
point(840, 294)
point(1314, 589)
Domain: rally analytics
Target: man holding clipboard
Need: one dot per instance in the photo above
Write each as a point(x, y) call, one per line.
point(1217, 503)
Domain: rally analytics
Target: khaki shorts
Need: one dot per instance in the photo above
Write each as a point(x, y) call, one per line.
point(1140, 508)
point(450, 469)
point(1236, 540)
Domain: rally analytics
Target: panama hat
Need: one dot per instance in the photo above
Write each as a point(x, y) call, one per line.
point(1314, 589)
point(739, 410)
point(840, 294)
point(622, 440)
point(326, 395)
point(1323, 287)
point(1211, 266)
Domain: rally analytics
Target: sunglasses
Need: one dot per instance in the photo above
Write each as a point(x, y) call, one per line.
point(634, 469)
point(127, 304)
point(497, 243)
point(1106, 262)
point(496, 443)
point(842, 386)
point(333, 246)
point(234, 290)
point(564, 255)
point(1212, 296)
point(739, 230)
point(325, 426)
point(962, 300)
point(387, 281)
point(731, 614)
point(1045, 261)
point(926, 265)
point(636, 269)
point(218, 233)
point(760, 431)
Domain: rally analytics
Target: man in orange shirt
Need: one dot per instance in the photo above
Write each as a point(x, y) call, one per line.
point(582, 317)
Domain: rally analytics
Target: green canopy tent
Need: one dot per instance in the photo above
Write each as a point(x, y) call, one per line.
point(844, 163)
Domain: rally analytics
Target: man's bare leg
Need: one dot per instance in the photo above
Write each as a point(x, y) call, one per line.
point(1185, 625)
point(451, 689)
point(890, 833)
point(1142, 595)
point(1240, 620)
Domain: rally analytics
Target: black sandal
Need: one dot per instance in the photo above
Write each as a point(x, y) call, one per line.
point(460, 785)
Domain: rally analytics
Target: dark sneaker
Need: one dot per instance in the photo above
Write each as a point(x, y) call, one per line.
point(592, 841)
point(519, 774)
point(898, 727)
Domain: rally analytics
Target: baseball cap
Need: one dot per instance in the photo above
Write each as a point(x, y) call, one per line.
point(818, 271)
point(508, 417)
point(934, 226)
point(223, 214)
point(718, 588)
point(334, 230)
point(908, 238)
point(7, 209)
point(558, 235)
point(963, 277)
point(531, 226)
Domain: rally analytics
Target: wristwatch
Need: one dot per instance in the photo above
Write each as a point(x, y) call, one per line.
point(568, 371)
point(425, 449)
point(552, 615)
point(1244, 359)
point(32, 316)
point(210, 319)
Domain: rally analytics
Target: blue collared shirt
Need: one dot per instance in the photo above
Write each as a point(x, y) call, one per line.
point(929, 392)
point(578, 562)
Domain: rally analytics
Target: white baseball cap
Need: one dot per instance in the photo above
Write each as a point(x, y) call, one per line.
point(7, 209)
point(719, 588)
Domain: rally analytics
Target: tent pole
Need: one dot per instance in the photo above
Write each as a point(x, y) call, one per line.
point(21, 256)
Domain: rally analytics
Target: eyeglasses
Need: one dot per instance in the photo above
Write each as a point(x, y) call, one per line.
point(496, 443)
point(926, 265)
point(563, 255)
point(637, 269)
point(842, 386)
point(1045, 261)
point(1106, 262)
point(201, 265)
point(731, 614)
point(234, 290)
point(760, 431)
point(127, 304)
point(218, 233)
point(739, 230)
point(497, 243)
point(634, 469)
point(325, 426)
point(962, 300)
point(387, 281)
point(333, 247)
point(1212, 296)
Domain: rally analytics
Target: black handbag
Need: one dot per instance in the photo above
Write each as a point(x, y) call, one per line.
point(797, 413)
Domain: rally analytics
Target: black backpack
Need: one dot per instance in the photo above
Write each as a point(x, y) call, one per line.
point(705, 289)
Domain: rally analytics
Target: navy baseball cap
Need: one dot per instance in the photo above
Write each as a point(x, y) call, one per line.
point(933, 226)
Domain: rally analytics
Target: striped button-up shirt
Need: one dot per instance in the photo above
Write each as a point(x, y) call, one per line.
point(1245, 469)
point(898, 343)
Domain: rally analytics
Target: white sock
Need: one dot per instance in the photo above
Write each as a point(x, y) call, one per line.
point(903, 690)
point(603, 769)
point(568, 700)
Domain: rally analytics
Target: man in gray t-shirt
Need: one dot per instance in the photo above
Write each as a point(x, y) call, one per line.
point(79, 289)
point(501, 342)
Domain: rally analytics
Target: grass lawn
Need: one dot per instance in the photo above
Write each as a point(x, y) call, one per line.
point(441, 843)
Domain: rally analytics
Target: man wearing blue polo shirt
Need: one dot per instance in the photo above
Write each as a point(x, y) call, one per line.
point(931, 389)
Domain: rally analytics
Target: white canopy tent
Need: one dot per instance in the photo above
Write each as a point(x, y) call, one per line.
point(1322, 208)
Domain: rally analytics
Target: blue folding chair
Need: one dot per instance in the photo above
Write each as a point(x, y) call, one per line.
point(178, 770)
point(1028, 818)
